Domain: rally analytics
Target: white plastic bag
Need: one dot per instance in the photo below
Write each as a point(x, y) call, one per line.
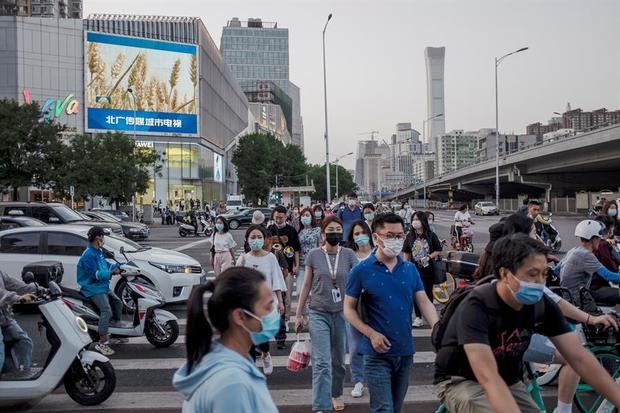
point(299, 358)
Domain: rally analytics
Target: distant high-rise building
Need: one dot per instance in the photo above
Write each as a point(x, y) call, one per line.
point(60, 9)
point(257, 50)
point(455, 150)
point(435, 58)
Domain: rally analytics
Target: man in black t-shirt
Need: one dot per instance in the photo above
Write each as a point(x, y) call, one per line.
point(479, 366)
point(291, 248)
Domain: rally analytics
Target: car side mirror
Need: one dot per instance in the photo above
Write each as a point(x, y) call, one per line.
point(53, 220)
point(28, 277)
point(108, 254)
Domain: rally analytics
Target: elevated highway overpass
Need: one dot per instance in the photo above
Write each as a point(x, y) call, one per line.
point(584, 162)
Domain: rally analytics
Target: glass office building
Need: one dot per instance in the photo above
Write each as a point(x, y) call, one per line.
point(256, 50)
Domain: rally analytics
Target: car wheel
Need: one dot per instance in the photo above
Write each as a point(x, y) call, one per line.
point(234, 224)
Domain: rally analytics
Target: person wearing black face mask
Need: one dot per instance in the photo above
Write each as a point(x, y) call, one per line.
point(325, 276)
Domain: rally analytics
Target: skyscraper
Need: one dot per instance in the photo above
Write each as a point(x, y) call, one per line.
point(63, 9)
point(256, 50)
point(435, 57)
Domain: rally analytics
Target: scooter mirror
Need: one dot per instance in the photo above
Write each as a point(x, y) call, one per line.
point(54, 289)
point(28, 277)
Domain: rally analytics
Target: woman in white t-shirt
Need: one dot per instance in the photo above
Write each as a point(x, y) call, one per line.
point(223, 252)
point(461, 216)
point(267, 264)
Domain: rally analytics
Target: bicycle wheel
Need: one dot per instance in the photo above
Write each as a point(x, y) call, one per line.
point(586, 399)
point(442, 292)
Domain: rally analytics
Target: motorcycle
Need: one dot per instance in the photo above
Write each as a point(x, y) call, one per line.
point(186, 229)
point(88, 376)
point(160, 327)
point(548, 233)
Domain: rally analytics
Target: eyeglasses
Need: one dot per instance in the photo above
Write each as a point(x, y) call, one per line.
point(391, 236)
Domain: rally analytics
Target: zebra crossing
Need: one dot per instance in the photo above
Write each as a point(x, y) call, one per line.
point(144, 377)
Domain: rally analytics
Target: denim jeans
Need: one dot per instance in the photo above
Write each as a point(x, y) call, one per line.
point(327, 335)
point(110, 307)
point(356, 360)
point(388, 379)
point(22, 344)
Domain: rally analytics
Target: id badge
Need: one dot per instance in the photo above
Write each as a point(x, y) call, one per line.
point(336, 295)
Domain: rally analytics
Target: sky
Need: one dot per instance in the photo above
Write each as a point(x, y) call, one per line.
point(376, 74)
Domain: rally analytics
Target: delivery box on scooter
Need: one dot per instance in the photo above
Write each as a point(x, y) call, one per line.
point(45, 271)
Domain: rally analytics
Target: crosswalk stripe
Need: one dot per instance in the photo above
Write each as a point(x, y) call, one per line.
point(175, 363)
point(173, 400)
point(289, 336)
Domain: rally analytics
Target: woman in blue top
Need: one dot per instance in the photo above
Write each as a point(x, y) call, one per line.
point(219, 376)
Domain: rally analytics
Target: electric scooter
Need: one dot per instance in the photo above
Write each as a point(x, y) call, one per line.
point(160, 327)
point(88, 376)
point(549, 234)
point(187, 229)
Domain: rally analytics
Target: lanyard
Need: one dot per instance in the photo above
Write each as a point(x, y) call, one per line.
point(334, 269)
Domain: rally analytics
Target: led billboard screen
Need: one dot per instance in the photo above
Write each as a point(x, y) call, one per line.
point(141, 85)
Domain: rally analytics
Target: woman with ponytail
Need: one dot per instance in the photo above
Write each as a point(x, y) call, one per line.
point(219, 376)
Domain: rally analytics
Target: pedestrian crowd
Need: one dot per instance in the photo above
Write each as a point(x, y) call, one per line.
point(364, 276)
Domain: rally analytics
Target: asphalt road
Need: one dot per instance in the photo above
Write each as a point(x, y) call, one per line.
point(144, 373)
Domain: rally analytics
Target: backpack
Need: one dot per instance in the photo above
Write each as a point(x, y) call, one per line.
point(456, 298)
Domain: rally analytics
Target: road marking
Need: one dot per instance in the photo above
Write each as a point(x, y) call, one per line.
point(290, 337)
point(191, 244)
point(175, 363)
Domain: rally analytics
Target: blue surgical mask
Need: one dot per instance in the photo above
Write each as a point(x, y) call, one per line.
point(318, 214)
point(306, 220)
point(219, 227)
point(256, 244)
point(369, 216)
point(362, 240)
point(270, 325)
point(528, 293)
point(612, 212)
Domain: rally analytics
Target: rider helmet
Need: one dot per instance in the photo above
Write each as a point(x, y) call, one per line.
point(589, 229)
point(95, 232)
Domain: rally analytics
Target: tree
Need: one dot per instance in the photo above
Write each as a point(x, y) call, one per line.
point(345, 181)
point(30, 149)
point(108, 165)
point(259, 158)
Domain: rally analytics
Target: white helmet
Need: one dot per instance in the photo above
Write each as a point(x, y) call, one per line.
point(588, 229)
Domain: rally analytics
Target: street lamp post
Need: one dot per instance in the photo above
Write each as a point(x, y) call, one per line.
point(497, 62)
point(133, 196)
point(336, 163)
point(425, 138)
point(329, 198)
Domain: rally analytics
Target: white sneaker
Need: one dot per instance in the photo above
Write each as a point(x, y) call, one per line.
point(417, 323)
point(358, 390)
point(267, 364)
point(104, 349)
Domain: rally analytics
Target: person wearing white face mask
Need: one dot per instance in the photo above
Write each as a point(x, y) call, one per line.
point(223, 249)
point(267, 263)
point(349, 214)
point(391, 286)
point(610, 209)
point(421, 247)
point(369, 214)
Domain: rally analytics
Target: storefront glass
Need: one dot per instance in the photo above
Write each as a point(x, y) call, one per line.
point(187, 173)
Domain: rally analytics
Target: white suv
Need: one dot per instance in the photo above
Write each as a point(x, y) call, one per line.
point(173, 273)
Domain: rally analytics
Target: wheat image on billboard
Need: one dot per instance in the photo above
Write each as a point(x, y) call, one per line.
point(161, 81)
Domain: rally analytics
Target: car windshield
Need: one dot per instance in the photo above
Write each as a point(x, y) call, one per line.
point(233, 203)
point(486, 204)
point(84, 216)
point(67, 214)
point(116, 243)
point(109, 217)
